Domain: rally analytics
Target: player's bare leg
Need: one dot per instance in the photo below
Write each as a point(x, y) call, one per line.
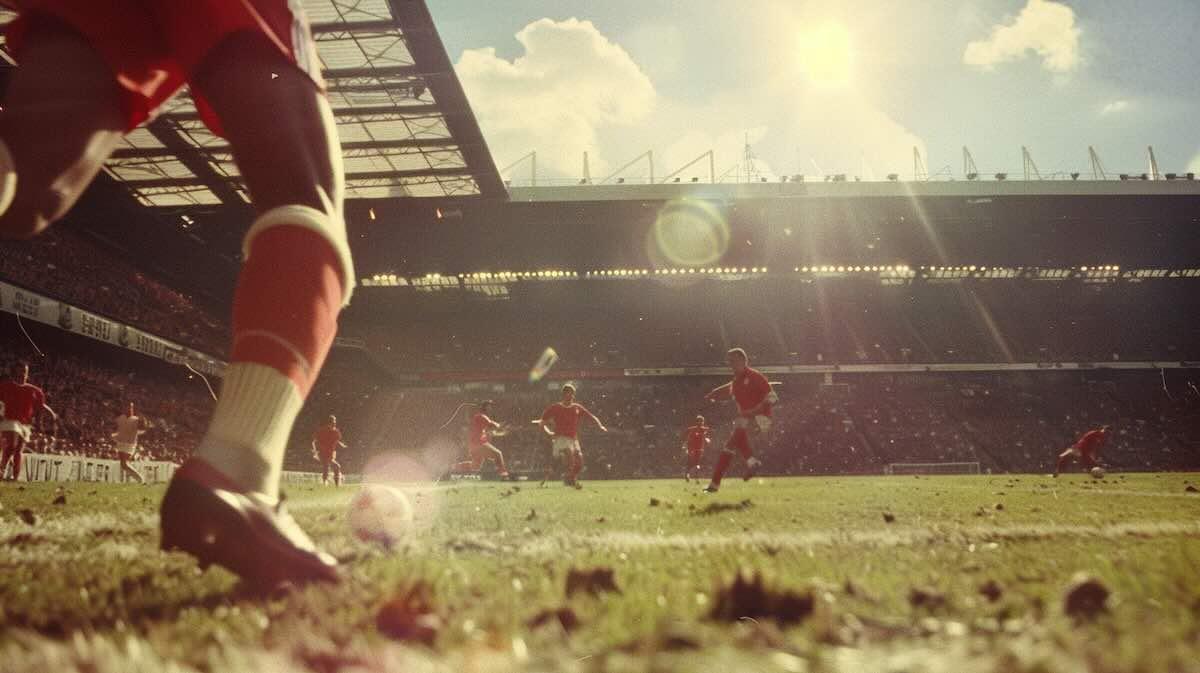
point(127, 469)
point(7, 446)
point(1063, 459)
point(296, 278)
point(493, 454)
point(62, 119)
point(337, 472)
point(14, 450)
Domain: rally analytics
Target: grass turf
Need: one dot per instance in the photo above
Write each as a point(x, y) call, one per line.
point(85, 587)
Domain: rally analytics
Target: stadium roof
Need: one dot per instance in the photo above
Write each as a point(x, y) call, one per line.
point(404, 121)
point(1180, 185)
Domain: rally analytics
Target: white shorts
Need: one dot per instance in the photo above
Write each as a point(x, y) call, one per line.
point(1074, 451)
point(125, 447)
point(561, 445)
point(16, 427)
point(763, 422)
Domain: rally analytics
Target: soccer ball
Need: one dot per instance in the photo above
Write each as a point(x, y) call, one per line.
point(1098, 472)
point(380, 514)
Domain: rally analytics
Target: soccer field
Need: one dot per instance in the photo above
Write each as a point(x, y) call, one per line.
point(957, 573)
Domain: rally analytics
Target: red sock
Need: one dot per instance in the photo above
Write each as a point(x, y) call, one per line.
point(741, 441)
point(17, 464)
point(722, 465)
point(500, 463)
point(576, 465)
point(286, 305)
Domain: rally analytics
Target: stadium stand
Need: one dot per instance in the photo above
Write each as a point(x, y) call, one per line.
point(72, 269)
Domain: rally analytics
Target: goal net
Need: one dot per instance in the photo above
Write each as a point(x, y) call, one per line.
point(931, 468)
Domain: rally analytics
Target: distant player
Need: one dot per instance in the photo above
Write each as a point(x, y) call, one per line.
point(695, 438)
point(754, 397)
point(561, 422)
point(1085, 449)
point(129, 429)
point(93, 71)
point(479, 444)
point(20, 401)
point(325, 444)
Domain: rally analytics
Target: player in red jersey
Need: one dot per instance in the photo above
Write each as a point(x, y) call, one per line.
point(561, 422)
point(1085, 449)
point(20, 401)
point(695, 438)
point(479, 444)
point(91, 71)
point(754, 397)
point(325, 443)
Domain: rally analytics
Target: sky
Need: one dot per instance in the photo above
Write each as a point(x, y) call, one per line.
point(820, 87)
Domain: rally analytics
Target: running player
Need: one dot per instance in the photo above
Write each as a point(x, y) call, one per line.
point(325, 443)
point(479, 444)
point(129, 429)
point(754, 397)
point(93, 71)
point(1085, 449)
point(695, 438)
point(20, 401)
point(561, 422)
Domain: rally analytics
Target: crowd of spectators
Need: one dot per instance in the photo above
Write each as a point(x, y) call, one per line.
point(65, 266)
point(89, 384)
point(644, 323)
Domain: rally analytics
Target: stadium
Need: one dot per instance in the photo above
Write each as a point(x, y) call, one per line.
point(824, 422)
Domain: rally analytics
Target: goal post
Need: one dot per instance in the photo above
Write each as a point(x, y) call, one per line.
point(931, 468)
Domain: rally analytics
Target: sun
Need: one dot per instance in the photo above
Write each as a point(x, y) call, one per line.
point(826, 55)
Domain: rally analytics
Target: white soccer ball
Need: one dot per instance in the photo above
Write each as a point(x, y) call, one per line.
point(380, 514)
point(1098, 472)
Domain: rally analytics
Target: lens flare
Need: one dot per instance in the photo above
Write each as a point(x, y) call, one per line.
point(688, 233)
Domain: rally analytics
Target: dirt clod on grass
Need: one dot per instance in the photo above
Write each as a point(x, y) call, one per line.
point(991, 590)
point(410, 616)
point(720, 507)
point(1192, 489)
point(747, 597)
point(926, 597)
point(564, 617)
point(27, 516)
point(1086, 598)
point(593, 581)
point(888, 517)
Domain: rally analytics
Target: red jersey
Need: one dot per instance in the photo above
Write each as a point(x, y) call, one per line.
point(481, 427)
point(750, 389)
point(21, 401)
point(1091, 442)
point(327, 438)
point(564, 419)
point(695, 437)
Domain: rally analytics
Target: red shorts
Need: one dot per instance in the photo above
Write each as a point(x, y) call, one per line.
point(155, 46)
point(695, 457)
point(328, 456)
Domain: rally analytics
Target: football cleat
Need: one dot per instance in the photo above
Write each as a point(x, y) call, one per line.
point(711, 488)
point(206, 515)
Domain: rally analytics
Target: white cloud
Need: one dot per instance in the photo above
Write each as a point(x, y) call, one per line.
point(1044, 27)
point(569, 84)
point(1113, 107)
point(573, 89)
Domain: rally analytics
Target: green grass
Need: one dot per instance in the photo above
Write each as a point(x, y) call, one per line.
point(85, 588)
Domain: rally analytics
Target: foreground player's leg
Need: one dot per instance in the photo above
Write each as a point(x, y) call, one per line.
point(62, 119)
point(337, 473)
point(296, 277)
point(742, 438)
point(722, 465)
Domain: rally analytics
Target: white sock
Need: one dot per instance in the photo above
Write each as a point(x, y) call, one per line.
point(8, 177)
point(249, 431)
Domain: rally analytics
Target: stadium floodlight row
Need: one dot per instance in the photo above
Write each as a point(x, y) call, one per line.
point(1099, 272)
